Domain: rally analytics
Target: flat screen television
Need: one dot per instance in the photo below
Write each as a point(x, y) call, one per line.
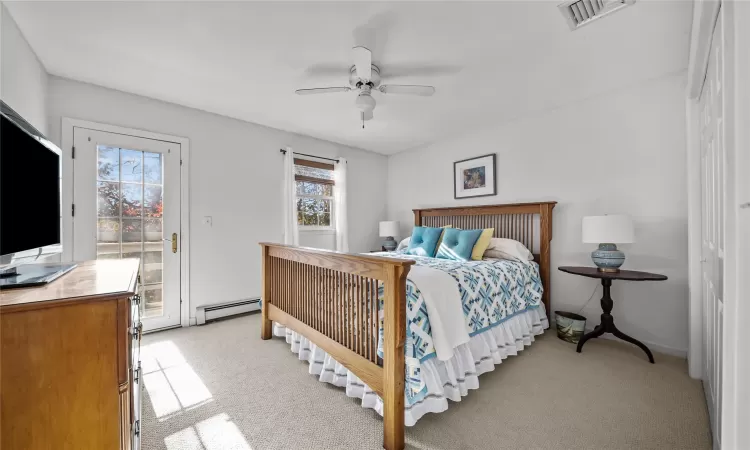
point(30, 202)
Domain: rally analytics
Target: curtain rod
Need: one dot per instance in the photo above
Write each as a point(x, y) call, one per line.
point(311, 156)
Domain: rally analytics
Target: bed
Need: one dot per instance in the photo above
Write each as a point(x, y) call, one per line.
point(361, 322)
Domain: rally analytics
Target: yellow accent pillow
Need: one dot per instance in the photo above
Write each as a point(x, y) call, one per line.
point(441, 238)
point(481, 245)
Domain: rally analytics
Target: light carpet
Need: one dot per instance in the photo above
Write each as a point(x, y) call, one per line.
point(220, 387)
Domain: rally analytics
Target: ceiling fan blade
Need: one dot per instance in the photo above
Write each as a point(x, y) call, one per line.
point(365, 115)
point(363, 62)
point(424, 91)
point(326, 90)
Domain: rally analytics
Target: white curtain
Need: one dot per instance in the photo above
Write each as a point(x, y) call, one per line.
point(289, 201)
point(339, 194)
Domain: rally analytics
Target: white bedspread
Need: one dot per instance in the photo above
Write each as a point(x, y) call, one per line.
point(443, 302)
point(446, 380)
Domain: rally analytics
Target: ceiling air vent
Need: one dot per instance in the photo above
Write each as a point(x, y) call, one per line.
point(582, 12)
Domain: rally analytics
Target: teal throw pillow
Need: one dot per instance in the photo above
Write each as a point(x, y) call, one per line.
point(458, 244)
point(423, 241)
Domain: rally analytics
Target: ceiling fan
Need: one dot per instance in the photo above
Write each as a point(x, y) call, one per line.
point(364, 77)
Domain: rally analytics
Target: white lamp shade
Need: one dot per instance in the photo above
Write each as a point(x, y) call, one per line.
point(389, 228)
point(614, 229)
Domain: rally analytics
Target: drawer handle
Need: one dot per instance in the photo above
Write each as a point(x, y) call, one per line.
point(137, 426)
point(137, 332)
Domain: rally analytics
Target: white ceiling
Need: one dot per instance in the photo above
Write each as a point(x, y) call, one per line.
point(499, 60)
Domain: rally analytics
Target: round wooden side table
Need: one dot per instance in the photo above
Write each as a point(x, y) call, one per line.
point(607, 324)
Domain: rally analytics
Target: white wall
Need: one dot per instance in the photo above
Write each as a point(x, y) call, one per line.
point(23, 86)
point(23, 80)
point(318, 239)
point(621, 152)
point(235, 171)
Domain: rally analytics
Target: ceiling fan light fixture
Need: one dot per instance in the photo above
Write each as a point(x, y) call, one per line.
point(365, 102)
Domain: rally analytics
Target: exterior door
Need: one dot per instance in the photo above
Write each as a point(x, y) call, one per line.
point(126, 200)
point(713, 189)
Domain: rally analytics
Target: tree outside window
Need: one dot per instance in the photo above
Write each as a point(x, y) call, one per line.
point(315, 205)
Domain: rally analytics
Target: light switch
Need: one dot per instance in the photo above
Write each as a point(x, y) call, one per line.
point(207, 220)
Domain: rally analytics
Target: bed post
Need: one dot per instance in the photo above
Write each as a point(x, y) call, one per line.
point(394, 369)
point(266, 326)
point(545, 236)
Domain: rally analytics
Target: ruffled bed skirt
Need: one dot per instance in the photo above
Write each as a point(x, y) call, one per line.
point(445, 380)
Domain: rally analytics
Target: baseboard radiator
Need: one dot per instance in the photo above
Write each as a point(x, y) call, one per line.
point(207, 313)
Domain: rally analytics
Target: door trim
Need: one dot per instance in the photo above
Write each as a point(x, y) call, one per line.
point(695, 305)
point(736, 364)
point(735, 408)
point(705, 14)
point(67, 202)
point(737, 384)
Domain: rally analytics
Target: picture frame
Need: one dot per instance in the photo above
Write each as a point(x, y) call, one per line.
point(475, 177)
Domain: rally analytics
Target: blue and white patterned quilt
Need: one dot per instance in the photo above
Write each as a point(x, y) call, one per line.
point(492, 291)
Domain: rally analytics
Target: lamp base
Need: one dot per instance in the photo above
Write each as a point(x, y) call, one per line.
point(607, 258)
point(390, 244)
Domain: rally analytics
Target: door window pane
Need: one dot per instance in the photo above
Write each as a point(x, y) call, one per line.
point(152, 300)
point(108, 199)
point(130, 208)
point(153, 201)
point(109, 163)
point(132, 195)
point(152, 167)
point(131, 165)
point(108, 230)
point(132, 229)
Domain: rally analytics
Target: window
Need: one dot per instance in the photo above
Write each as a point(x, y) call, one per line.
point(314, 180)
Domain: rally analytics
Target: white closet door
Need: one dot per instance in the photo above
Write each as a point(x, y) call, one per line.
point(713, 190)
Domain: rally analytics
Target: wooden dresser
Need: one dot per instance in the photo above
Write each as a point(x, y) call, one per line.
point(69, 361)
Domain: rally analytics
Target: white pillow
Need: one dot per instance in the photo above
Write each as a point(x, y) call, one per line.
point(403, 244)
point(508, 249)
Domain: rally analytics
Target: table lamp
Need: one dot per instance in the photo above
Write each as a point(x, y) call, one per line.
point(388, 230)
point(607, 231)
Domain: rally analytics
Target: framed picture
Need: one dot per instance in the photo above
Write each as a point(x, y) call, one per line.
point(474, 177)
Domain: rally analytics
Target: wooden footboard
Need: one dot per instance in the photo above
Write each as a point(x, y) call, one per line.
point(332, 299)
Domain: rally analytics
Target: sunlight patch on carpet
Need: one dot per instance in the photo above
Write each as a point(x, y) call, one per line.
point(172, 385)
point(215, 433)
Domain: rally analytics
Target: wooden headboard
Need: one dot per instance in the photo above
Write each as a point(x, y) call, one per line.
point(528, 223)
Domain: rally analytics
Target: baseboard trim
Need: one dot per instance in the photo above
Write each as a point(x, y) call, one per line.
point(654, 347)
point(658, 348)
point(155, 330)
point(207, 313)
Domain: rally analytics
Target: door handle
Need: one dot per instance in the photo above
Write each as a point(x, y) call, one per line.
point(174, 242)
